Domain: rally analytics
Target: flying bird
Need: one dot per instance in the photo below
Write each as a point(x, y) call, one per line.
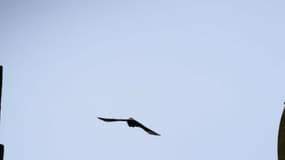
point(131, 123)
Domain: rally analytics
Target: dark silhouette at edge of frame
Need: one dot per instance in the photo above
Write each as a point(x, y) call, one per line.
point(1, 80)
point(281, 137)
point(1, 77)
point(131, 123)
point(1, 151)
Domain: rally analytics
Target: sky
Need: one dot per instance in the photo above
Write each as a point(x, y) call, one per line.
point(207, 75)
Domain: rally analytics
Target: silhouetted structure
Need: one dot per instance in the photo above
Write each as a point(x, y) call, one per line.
point(281, 137)
point(131, 123)
point(1, 151)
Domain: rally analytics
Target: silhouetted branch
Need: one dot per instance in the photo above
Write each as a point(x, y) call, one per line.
point(281, 138)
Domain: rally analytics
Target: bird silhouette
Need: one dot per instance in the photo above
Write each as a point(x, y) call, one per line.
point(131, 123)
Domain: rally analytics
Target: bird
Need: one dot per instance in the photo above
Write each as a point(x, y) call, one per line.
point(131, 123)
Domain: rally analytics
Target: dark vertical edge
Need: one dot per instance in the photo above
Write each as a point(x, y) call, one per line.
point(281, 138)
point(1, 151)
point(1, 79)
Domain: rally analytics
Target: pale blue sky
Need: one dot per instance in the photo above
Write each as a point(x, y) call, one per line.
point(207, 75)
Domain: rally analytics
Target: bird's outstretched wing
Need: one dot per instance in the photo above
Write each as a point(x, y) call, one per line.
point(138, 124)
point(132, 123)
point(111, 119)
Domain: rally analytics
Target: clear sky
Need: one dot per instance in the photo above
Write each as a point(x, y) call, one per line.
point(209, 76)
